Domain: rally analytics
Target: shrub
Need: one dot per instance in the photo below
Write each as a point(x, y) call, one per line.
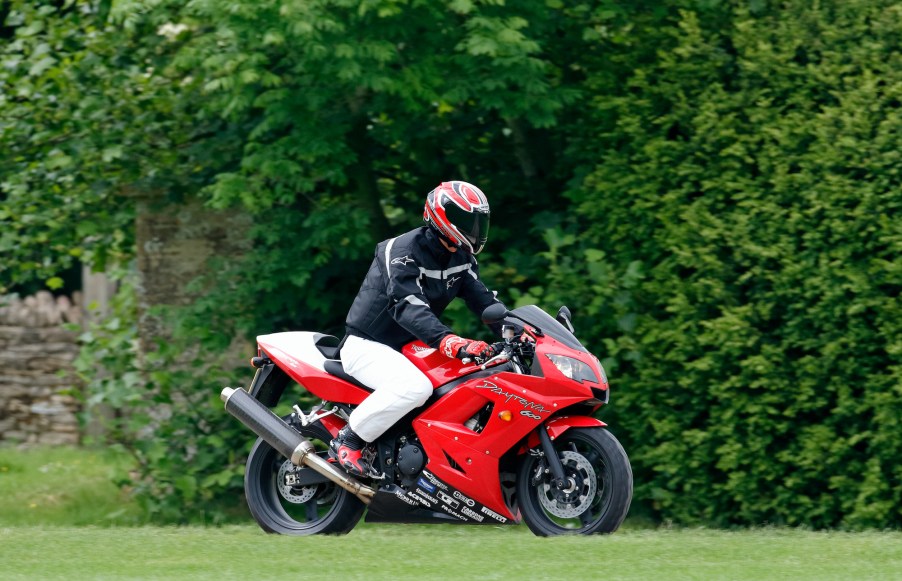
point(751, 173)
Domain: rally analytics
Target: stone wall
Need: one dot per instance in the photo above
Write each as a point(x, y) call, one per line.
point(175, 243)
point(34, 350)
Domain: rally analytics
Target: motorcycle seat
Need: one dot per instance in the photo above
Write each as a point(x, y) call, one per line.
point(327, 345)
point(334, 367)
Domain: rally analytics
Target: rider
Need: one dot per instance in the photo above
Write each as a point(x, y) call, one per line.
point(412, 279)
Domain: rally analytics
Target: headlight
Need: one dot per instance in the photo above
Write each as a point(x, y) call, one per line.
point(573, 368)
point(604, 376)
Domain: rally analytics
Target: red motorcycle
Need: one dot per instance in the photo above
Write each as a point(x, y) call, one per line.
point(503, 440)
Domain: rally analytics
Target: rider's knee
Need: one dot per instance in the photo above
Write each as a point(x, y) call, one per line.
point(421, 390)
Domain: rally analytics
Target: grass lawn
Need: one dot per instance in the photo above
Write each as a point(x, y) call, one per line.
point(443, 552)
point(61, 518)
point(63, 486)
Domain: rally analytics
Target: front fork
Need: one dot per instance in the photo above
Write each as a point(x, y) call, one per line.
point(552, 460)
point(552, 430)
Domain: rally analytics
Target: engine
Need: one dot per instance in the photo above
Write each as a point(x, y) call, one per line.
point(411, 461)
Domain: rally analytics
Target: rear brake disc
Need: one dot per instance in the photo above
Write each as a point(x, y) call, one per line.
point(289, 493)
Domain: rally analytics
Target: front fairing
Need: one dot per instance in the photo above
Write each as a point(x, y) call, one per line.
point(557, 340)
point(554, 340)
point(558, 382)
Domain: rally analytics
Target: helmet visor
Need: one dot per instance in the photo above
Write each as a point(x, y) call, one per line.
point(473, 225)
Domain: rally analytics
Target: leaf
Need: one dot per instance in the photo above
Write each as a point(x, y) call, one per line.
point(39, 68)
point(112, 152)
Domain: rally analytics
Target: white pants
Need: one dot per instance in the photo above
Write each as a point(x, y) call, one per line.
point(398, 385)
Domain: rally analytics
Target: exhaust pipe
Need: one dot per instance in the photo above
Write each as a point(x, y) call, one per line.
point(287, 441)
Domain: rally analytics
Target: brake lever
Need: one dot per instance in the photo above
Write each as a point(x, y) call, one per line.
point(500, 345)
point(501, 357)
point(474, 360)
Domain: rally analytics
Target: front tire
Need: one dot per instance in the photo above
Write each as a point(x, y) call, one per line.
point(600, 486)
point(323, 508)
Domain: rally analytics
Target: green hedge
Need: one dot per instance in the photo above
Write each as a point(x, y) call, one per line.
point(750, 172)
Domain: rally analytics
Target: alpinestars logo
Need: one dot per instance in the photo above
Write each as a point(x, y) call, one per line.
point(403, 260)
point(510, 396)
point(452, 280)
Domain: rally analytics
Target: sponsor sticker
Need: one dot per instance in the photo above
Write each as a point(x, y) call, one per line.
point(463, 499)
point(418, 498)
point(427, 485)
point(477, 517)
point(448, 500)
point(435, 480)
point(431, 499)
point(450, 511)
point(493, 514)
point(403, 497)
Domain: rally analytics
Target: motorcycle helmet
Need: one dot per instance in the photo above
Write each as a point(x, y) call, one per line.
point(459, 212)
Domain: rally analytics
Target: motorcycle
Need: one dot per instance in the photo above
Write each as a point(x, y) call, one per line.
point(508, 439)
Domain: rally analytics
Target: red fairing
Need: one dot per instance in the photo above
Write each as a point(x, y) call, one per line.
point(548, 346)
point(474, 455)
point(434, 364)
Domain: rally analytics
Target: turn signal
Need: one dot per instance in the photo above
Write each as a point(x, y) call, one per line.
point(259, 362)
point(505, 415)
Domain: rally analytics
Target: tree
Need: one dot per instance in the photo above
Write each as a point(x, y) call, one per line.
point(327, 120)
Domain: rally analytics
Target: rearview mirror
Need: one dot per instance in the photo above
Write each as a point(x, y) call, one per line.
point(494, 313)
point(565, 318)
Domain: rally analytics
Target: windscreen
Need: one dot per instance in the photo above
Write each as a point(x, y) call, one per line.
point(550, 326)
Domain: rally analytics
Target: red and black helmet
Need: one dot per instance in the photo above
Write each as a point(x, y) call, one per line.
point(460, 213)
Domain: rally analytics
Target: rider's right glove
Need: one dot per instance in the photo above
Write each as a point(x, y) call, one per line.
point(454, 346)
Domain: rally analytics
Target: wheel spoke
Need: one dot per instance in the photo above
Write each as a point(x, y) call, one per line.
point(311, 510)
point(594, 458)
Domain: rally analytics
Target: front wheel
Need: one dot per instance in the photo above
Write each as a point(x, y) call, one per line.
point(279, 507)
point(599, 490)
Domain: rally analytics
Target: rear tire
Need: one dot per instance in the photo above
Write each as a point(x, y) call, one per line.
point(323, 508)
point(600, 491)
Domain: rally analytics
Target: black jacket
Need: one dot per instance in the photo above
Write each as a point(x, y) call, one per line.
point(410, 282)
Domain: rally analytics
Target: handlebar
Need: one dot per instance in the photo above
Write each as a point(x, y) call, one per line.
point(502, 351)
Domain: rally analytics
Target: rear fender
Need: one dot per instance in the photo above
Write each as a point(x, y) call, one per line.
point(557, 426)
point(269, 384)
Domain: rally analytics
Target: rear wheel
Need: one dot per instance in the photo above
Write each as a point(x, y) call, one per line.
point(598, 491)
point(278, 507)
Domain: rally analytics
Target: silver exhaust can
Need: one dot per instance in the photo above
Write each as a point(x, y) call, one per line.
point(287, 441)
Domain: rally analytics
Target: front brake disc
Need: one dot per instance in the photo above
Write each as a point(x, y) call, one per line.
point(575, 500)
